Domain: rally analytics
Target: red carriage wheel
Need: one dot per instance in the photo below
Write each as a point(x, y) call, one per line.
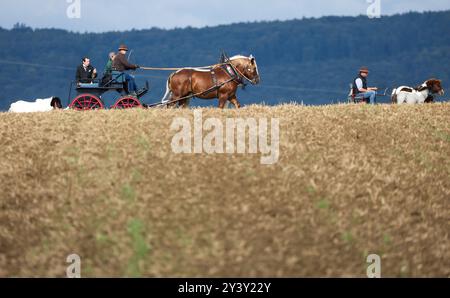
point(127, 102)
point(86, 102)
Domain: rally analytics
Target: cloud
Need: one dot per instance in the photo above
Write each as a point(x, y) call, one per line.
point(106, 15)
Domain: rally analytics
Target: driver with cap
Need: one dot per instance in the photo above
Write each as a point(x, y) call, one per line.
point(360, 89)
point(120, 63)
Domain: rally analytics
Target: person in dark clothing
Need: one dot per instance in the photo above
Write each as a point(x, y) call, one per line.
point(360, 89)
point(120, 63)
point(86, 73)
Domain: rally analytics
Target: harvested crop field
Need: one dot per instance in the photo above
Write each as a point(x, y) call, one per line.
point(351, 180)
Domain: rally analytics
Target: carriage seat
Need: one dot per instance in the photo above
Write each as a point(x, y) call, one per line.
point(118, 77)
point(87, 85)
point(113, 79)
point(355, 98)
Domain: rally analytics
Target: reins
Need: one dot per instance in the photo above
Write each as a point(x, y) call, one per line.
point(190, 96)
point(179, 68)
point(200, 67)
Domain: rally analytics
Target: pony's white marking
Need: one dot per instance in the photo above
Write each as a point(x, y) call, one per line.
point(414, 97)
point(40, 105)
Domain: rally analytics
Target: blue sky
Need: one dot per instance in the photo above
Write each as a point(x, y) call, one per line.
point(107, 15)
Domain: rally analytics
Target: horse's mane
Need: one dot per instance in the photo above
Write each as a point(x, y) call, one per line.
point(236, 57)
point(425, 84)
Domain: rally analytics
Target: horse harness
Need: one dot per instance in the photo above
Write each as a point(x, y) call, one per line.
point(230, 71)
point(227, 67)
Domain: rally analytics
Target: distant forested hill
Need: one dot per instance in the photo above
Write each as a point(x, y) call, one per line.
point(309, 60)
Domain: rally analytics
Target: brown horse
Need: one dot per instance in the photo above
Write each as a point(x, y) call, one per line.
point(221, 81)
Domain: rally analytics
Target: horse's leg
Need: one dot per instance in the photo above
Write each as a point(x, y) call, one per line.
point(177, 98)
point(171, 105)
point(184, 103)
point(174, 101)
point(223, 98)
point(235, 102)
point(181, 85)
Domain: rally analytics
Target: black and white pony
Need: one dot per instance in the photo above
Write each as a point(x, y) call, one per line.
point(40, 105)
point(421, 94)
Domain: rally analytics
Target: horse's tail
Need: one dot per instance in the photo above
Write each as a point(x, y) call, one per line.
point(394, 96)
point(168, 95)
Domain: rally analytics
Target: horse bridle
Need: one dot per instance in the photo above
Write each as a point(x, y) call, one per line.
point(423, 87)
point(239, 74)
point(429, 88)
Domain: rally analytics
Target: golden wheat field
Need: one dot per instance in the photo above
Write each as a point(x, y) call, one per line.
point(351, 180)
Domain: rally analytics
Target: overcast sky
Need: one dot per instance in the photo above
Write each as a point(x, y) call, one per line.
point(107, 15)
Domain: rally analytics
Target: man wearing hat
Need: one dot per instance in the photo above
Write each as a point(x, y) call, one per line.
point(360, 89)
point(120, 63)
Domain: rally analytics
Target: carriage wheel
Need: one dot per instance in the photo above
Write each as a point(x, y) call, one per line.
point(85, 102)
point(127, 102)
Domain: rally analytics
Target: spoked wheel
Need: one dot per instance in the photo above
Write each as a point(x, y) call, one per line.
point(85, 102)
point(127, 102)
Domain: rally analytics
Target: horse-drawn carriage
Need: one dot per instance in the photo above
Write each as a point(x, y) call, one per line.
point(89, 95)
point(359, 98)
point(215, 81)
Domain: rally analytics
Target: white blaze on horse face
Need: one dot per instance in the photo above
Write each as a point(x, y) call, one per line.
point(256, 64)
point(247, 70)
point(257, 71)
